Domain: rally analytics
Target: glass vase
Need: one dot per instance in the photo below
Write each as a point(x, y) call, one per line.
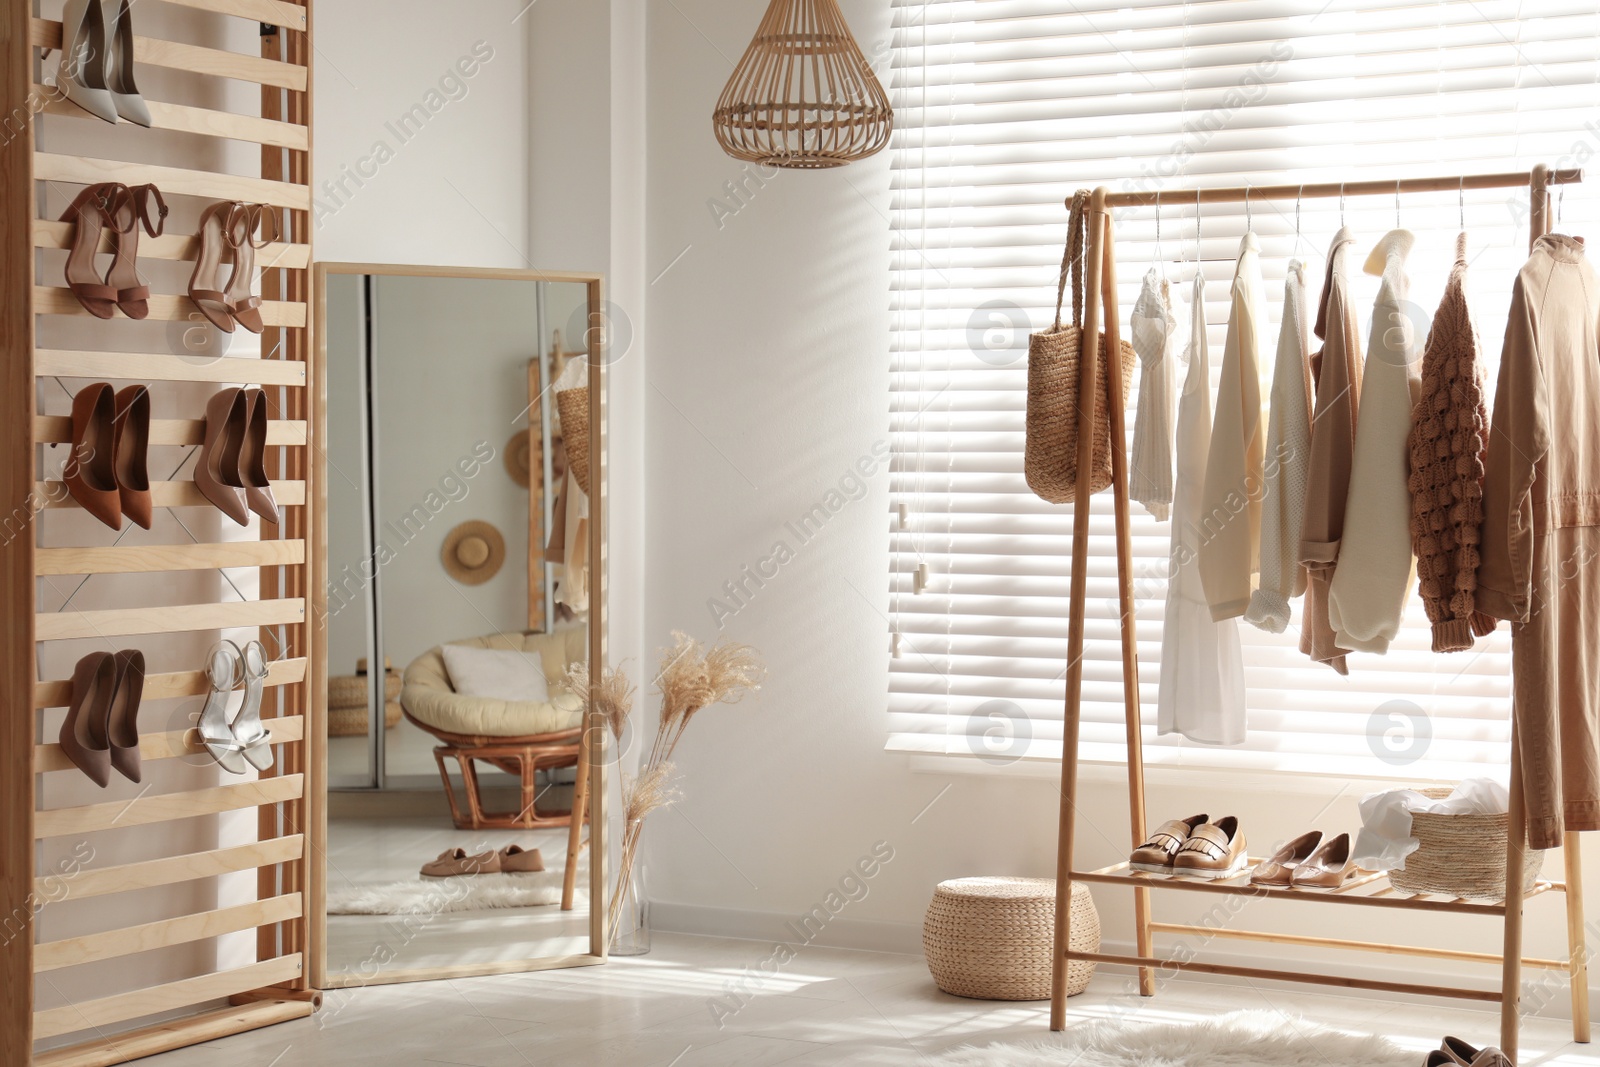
point(632, 934)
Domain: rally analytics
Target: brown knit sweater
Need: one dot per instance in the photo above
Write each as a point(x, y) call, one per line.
point(1449, 431)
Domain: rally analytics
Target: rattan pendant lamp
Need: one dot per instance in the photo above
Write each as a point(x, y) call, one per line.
point(802, 96)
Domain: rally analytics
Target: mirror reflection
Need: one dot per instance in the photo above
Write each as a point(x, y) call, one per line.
point(457, 529)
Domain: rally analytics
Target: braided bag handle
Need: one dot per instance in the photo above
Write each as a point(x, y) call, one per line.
point(1072, 258)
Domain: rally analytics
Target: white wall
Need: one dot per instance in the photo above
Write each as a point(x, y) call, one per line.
point(768, 355)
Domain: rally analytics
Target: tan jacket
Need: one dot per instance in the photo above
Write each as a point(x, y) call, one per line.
point(1337, 370)
point(1540, 543)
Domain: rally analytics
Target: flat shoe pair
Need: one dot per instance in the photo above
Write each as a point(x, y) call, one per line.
point(1454, 1052)
point(513, 859)
point(1308, 862)
point(1194, 847)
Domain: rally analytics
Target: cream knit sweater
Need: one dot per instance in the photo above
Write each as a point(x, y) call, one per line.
point(1230, 519)
point(1368, 594)
point(1288, 460)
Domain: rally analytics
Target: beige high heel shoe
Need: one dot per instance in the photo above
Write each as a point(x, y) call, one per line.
point(252, 458)
point(216, 471)
point(91, 210)
point(244, 222)
point(214, 244)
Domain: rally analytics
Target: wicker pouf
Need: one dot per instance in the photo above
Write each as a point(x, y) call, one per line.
point(991, 938)
point(1461, 855)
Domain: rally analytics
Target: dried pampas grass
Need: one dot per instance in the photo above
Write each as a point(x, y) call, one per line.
point(690, 680)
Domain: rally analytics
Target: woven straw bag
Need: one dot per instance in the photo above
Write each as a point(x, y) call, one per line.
point(1050, 452)
point(573, 406)
point(1461, 855)
point(993, 938)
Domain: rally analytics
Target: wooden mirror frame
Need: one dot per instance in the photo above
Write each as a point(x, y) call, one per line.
point(594, 730)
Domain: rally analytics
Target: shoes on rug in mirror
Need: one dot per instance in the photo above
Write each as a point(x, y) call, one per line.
point(456, 861)
point(514, 859)
point(1454, 1052)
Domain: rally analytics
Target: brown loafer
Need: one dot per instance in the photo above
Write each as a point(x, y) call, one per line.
point(1215, 851)
point(1328, 867)
point(455, 861)
point(514, 859)
point(1156, 854)
point(1280, 868)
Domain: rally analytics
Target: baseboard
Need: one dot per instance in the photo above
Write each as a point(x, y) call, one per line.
point(840, 931)
point(843, 932)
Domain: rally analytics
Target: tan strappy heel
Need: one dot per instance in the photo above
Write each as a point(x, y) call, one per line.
point(244, 222)
point(214, 244)
point(132, 208)
point(92, 212)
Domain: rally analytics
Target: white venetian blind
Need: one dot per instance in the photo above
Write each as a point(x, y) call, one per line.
point(1003, 108)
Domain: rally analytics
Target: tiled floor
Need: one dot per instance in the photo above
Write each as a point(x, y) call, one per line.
point(695, 1002)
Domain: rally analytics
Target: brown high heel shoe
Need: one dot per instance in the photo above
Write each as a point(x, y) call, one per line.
point(140, 205)
point(216, 471)
point(131, 445)
point(92, 212)
point(252, 458)
point(214, 243)
point(122, 719)
point(90, 472)
point(244, 220)
point(83, 731)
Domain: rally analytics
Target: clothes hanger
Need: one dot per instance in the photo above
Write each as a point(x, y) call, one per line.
point(1161, 260)
point(1249, 223)
point(1341, 205)
point(1461, 202)
point(1294, 253)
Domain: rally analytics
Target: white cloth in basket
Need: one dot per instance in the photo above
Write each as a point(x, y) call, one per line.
point(1385, 839)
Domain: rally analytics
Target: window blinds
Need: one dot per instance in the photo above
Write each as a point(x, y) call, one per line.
point(1003, 108)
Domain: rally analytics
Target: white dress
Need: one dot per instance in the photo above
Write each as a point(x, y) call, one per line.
point(1202, 668)
point(1154, 330)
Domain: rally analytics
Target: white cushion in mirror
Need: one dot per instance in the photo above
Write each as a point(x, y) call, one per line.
point(499, 673)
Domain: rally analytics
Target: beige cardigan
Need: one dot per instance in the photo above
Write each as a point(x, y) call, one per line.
point(1230, 518)
point(1337, 370)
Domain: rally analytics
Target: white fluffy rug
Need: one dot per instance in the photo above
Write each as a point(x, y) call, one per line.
point(429, 896)
point(1243, 1039)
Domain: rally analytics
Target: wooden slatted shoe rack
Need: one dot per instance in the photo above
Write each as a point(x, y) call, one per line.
point(282, 845)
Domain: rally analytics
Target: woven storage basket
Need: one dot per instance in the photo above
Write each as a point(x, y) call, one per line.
point(1461, 855)
point(352, 722)
point(1050, 447)
point(992, 938)
point(347, 703)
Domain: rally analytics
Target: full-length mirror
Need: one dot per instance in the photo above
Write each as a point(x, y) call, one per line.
point(465, 459)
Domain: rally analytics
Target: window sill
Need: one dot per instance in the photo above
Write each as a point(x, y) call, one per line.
point(1100, 772)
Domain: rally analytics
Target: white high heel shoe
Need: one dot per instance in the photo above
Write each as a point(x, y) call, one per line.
point(119, 69)
point(254, 739)
point(223, 670)
point(81, 75)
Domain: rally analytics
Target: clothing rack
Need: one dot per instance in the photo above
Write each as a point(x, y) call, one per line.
point(1366, 890)
point(278, 845)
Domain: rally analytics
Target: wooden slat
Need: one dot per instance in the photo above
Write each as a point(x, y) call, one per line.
point(126, 877)
point(287, 730)
point(1120, 875)
point(144, 559)
point(56, 694)
point(183, 247)
point(164, 367)
point(166, 619)
point(57, 430)
point(126, 1046)
point(92, 948)
point(17, 652)
point(173, 181)
point(275, 12)
point(46, 33)
point(187, 993)
point(184, 119)
point(165, 807)
point(53, 300)
point(172, 495)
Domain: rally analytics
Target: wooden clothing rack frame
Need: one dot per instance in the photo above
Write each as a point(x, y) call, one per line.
point(285, 851)
point(1365, 891)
